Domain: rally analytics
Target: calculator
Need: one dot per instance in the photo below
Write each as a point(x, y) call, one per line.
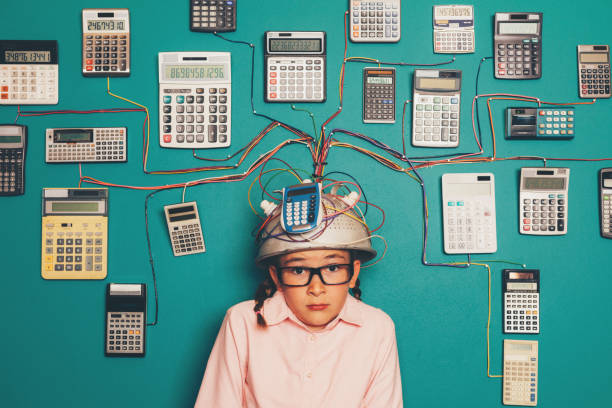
point(605, 201)
point(106, 42)
point(295, 63)
point(594, 66)
point(83, 145)
point(184, 228)
point(520, 384)
point(543, 200)
point(375, 21)
point(540, 123)
point(13, 144)
point(301, 207)
point(453, 29)
point(436, 107)
point(212, 15)
point(521, 294)
point(74, 233)
point(28, 72)
point(378, 95)
point(518, 45)
point(469, 213)
point(195, 103)
point(126, 320)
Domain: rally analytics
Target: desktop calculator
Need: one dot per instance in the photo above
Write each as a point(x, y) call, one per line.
point(126, 320)
point(195, 103)
point(436, 107)
point(540, 123)
point(295, 65)
point(106, 42)
point(95, 145)
point(518, 45)
point(543, 201)
point(453, 29)
point(212, 15)
point(29, 72)
point(594, 66)
point(520, 384)
point(74, 233)
point(301, 207)
point(378, 95)
point(184, 228)
point(605, 202)
point(469, 213)
point(375, 21)
point(13, 144)
point(521, 294)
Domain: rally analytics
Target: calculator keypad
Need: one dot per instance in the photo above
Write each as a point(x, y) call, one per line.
point(375, 21)
point(106, 54)
point(187, 239)
point(518, 60)
point(300, 212)
point(447, 42)
point(125, 332)
point(11, 172)
point(606, 209)
point(522, 312)
point(436, 121)
point(555, 122)
point(295, 79)
point(543, 214)
point(471, 227)
point(108, 145)
point(595, 81)
point(379, 103)
point(520, 381)
point(29, 84)
point(213, 15)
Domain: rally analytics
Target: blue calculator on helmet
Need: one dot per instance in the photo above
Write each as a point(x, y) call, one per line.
point(301, 207)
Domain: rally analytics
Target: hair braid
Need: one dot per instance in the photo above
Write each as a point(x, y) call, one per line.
point(265, 290)
point(356, 291)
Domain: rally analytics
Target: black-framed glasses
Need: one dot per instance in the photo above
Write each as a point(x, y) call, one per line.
point(334, 274)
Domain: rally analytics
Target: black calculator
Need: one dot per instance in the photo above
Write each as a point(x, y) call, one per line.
point(126, 320)
point(13, 142)
point(212, 15)
point(378, 95)
point(518, 45)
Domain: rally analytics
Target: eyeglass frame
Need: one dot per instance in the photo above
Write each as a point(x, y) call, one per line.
point(314, 271)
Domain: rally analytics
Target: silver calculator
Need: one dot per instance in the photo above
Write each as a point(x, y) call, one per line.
point(86, 145)
point(453, 29)
point(184, 228)
point(594, 71)
point(543, 201)
point(375, 21)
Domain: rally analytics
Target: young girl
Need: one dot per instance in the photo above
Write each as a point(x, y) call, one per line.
point(305, 341)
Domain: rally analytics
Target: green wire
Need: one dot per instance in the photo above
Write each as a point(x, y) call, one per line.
point(314, 125)
point(278, 173)
point(522, 265)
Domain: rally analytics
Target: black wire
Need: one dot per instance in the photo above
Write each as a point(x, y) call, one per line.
point(476, 105)
point(356, 182)
point(401, 64)
point(151, 254)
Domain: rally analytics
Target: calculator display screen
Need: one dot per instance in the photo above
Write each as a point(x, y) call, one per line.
point(73, 135)
point(607, 183)
point(453, 11)
point(27, 56)
point(301, 191)
point(587, 57)
point(380, 80)
point(518, 347)
point(74, 207)
point(469, 189)
point(520, 275)
point(295, 45)
point(106, 25)
point(10, 139)
point(524, 120)
point(541, 183)
point(437, 83)
point(194, 72)
point(518, 28)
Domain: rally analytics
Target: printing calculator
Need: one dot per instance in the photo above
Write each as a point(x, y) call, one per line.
point(86, 145)
point(184, 228)
point(13, 144)
point(518, 45)
point(195, 103)
point(594, 71)
point(521, 294)
point(301, 207)
point(378, 95)
point(212, 15)
point(540, 123)
point(126, 320)
point(453, 29)
point(605, 202)
point(543, 200)
point(29, 72)
point(295, 63)
point(375, 21)
point(106, 42)
point(74, 233)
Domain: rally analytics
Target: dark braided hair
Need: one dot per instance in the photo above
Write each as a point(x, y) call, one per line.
point(265, 290)
point(356, 291)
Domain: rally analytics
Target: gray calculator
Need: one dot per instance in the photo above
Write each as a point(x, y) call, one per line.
point(594, 66)
point(378, 95)
point(518, 45)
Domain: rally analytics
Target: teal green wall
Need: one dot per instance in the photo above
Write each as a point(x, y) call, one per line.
point(52, 331)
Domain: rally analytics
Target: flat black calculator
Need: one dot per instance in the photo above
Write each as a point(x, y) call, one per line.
point(521, 291)
point(518, 45)
point(126, 320)
point(212, 15)
point(378, 95)
point(13, 142)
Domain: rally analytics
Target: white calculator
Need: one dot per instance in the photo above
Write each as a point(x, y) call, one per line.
point(453, 29)
point(520, 385)
point(469, 213)
point(521, 293)
point(436, 107)
point(195, 102)
point(543, 201)
point(184, 228)
point(375, 21)
point(94, 145)
point(28, 72)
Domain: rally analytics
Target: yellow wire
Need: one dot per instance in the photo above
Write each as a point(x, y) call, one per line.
point(345, 213)
point(257, 178)
point(364, 58)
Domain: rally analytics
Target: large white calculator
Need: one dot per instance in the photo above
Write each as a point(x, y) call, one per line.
point(375, 21)
point(543, 201)
point(195, 102)
point(453, 29)
point(468, 202)
point(520, 372)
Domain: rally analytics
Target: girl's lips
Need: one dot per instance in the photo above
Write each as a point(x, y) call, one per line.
point(317, 307)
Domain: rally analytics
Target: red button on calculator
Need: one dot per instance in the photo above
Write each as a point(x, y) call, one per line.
point(167, 138)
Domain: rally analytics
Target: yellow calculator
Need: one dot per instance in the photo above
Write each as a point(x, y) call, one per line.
point(74, 233)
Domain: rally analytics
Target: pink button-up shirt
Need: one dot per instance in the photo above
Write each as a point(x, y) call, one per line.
point(353, 362)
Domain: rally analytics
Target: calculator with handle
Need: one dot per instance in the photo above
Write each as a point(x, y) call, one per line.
point(378, 95)
point(594, 71)
point(74, 233)
point(605, 201)
point(543, 199)
point(453, 29)
point(375, 21)
point(518, 45)
point(29, 72)
point(13, 144)
point(195, 104)
point(301, 207)
point(520, 384)
point(86, 145)
point(212, 15)
point(436, 106)
point(469, 213)
point(106, 42)
point(126, 320)
point(521, 294)
point(184, 228)
point(540, 123)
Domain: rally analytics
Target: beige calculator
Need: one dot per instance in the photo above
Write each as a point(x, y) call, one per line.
point(520, 372)
point(74, 233)
point(184, 228)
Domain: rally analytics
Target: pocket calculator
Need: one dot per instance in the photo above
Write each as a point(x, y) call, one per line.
point(453, 29)
point(126, 320)
point(436, 107)
point(74, 233)
point(212, 15)
point(106, 42)
point(605, 201)
point(95, 145)
point(594, 66)
point(540, 123)
point(543, 200)
point(520, 372)
point(184, 228)
point(195, 103)
point(375, 21)
point(378, 95)
point(295, 64)
point(469, 213)
point(301, 207)
point(521, 294)
point(28, 72)
point(518, 45)
point(13, 144)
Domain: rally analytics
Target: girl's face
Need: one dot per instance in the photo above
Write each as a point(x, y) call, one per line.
point(316, 304)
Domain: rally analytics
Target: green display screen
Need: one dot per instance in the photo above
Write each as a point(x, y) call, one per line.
point(10, 139)
point(73, 135)
point(544, 183)
point(194, 72)
point(67, 206)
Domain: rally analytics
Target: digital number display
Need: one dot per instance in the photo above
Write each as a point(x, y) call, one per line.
point(380, 80)
point(295, 45)
point(105, 25)
point(454, 12)
point(73, 135)
point(518, 28)
point(593, 57)
point(544, 183)
point(520, 275)
point(27, 56)
point(67, 206)
point(301, 191)
point(10, 139)
point(437, 83)
point(194, 72)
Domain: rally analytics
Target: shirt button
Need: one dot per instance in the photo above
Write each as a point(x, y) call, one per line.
point(309, 375)
point(312, 338)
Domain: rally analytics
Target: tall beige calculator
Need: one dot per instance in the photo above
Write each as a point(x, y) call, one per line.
point(520, 372)
point(74, 233)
